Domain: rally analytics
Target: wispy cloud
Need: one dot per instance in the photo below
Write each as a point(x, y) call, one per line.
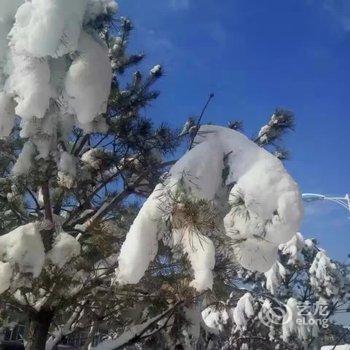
point(340, 11)
point(178, 5)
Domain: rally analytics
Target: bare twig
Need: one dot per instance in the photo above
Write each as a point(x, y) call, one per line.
point(200, 119)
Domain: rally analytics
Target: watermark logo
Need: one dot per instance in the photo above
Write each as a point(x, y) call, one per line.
point(302, 314)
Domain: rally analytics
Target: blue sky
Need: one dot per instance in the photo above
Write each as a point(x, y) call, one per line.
point(255, 56)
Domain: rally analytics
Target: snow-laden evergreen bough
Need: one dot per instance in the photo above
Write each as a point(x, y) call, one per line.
point(262, 210)
point(48, 52)
point(289, 307)
point(55, 73)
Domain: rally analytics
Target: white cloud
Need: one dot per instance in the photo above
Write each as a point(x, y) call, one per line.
point(180, 4)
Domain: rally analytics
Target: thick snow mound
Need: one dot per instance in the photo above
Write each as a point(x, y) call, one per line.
point(265, 205)
point(64, 249)
point(201, 254)
point(88, 80)
point(48, 27)
point(29, 83)
point(24, 249)
point(141, 244)
point(53, 71)
point(243, 311)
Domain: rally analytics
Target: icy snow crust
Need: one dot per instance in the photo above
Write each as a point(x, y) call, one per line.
point(265, 206)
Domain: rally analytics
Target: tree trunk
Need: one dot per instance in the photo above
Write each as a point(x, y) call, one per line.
point(39, 324)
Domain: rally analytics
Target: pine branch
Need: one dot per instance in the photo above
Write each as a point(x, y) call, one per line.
point(145, 327)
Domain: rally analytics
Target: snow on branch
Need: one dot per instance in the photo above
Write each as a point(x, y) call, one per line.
point(22, 254)
point(265, 207)
point(53, 74)
point(21, 250)
point(135, 332)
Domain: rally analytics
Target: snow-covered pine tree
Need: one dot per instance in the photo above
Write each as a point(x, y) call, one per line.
point(76, 254)
point(292, 306)
point(75, 148)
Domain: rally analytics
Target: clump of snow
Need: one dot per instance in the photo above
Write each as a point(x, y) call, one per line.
point(264, 131)
point(35, 128)
point(243, 311)
point(156, 70)
point(303, 325)
point(201, 254)
point(275, 276)
point(67, 170)
point(324, 276)
point(5, 276)
point(64, 249)
point(67, 163)
point(265, 204)
point(293, 249)
point(265, 201)
point(141, 244)
point(215, 318)
point(29, 299)
point(289, 324)
point(280, 119)
point(48, 27)
point(92, 157)
point(88, 80)
point(255, 254)
point(42, 133)
point(24, 249)
point(29, 84)
point(25, 160)
point(309, 243)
